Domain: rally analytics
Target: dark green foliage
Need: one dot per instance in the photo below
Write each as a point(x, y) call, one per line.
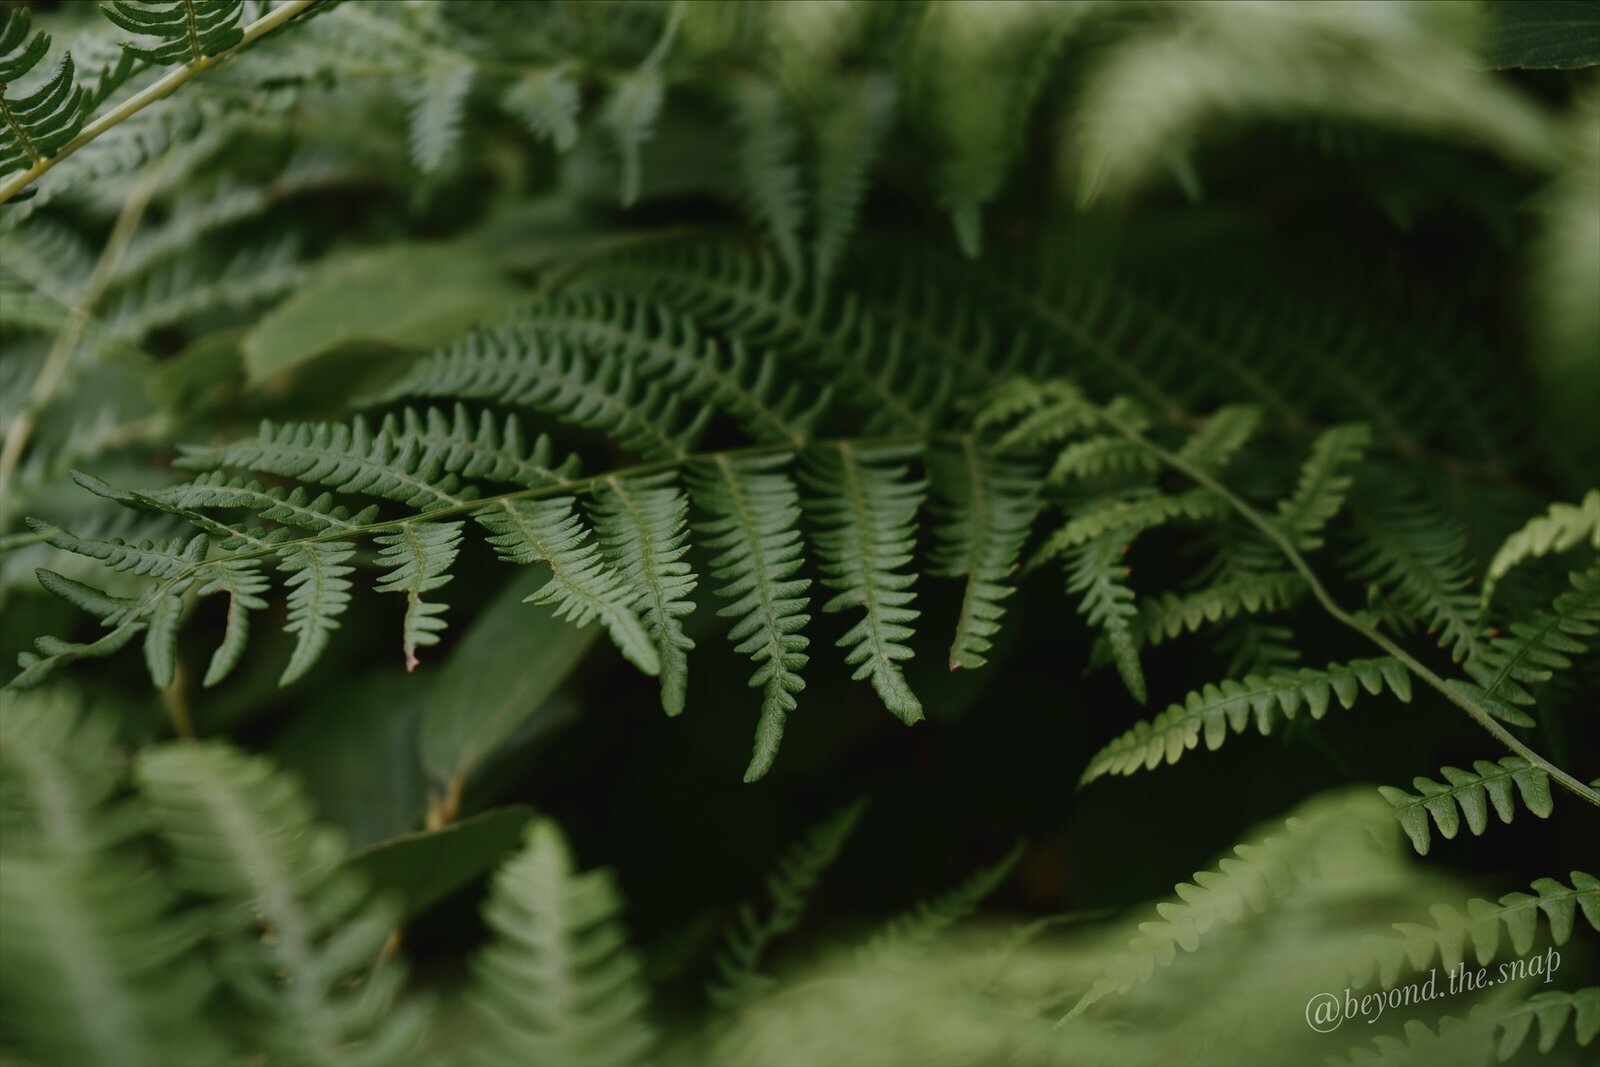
point(401, 401)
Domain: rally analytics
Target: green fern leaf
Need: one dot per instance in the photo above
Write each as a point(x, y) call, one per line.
point(420, 555)
point(1563, 527)
point(35, 127)
point(641, 525)
point(1414, 554)
point(348, 459)
point(180, 31)
point(100, 969)
point(1415, 945)
point(1099, 456)
point(986, 507)
point(582, 587)
point(1096, 569)
point(244, 583)
point(1533, 651)
point(438, 104)
point(319, 592)
point(925, 921)
point(1212, 711)
point(1320, 836)
point(557, 984)
point(1128, 518)
point(1171, 614)
point(848, 138)
point(755, 509)
point(1488, 783)
point(766, 173)
point(739, 978)
point(297, 930)
point(547, 101)
point(1492, 1026)
point(1324, 484)
point(865, 504)
point(630, 114)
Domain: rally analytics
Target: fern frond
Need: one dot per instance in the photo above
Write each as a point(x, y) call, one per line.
point(1563, 527)
point(641, 525)
point(1531, 652)
point(438, 105)
point(99, 969)
point(1415, 945)
point(244, 583)
point(921, 924)
point(419, 555)
point(1128, 518)
point(1320, 836)
point(1472, 792)
point(1324, 484)
point(630, 113)
point(547, 101)
point(582, 587)
point(511, 365)
point(1098, 456)
point(848, 139)
point(755, 509)
point(1505, 1029)
point(865, 504)
point(986, 506)
point(756, 301)
point(319, 592)
point(298, 931)
point(35, 127)
point(1221, 436)
point(179, 31)
point(347, 459)
point(1096, 569)
point(739, 976)
point(1414, 554)
point(557, 984)
point(1212, 711)
point(766, 173)
point(1171, 614)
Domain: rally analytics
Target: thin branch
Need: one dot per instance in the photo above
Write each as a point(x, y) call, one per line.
point(145, 97)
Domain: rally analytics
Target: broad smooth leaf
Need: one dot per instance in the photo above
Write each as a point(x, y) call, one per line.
point(410, 296)
point(1546, 34)
point(427, 866)
point(505, 668)
point(355, 748)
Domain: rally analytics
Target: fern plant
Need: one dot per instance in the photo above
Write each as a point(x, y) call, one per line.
point(399, 401)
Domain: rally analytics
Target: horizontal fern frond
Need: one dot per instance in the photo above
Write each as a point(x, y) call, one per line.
point(1473, 792)
point(1562, 527)
point(1171, 614)
point(1212, 712)
point(1447, 939)
point(179, 30)
point(1320, 836)
point(1504, 1029)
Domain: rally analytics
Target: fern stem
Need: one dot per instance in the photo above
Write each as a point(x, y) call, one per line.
point(150, 94)
point(1365, 629)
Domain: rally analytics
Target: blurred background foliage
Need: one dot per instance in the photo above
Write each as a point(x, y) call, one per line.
point(1420, 180)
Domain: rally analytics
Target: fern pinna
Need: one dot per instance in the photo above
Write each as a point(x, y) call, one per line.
point(668, 348)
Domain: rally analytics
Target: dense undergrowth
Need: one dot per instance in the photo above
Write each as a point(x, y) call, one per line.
point(760, 533)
